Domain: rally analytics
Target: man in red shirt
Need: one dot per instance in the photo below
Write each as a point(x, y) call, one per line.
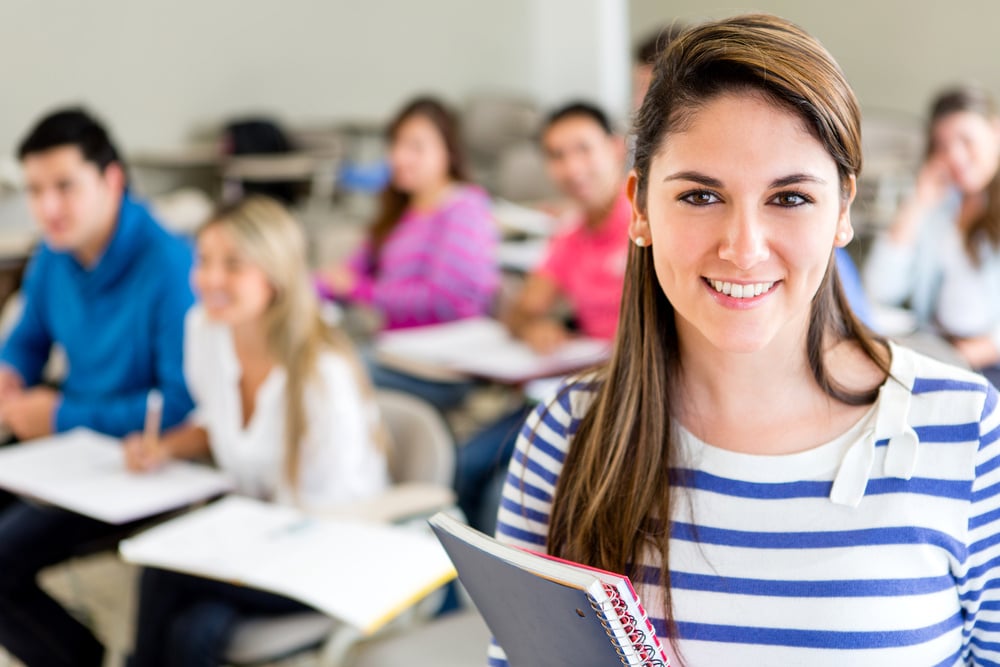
point(584, 268)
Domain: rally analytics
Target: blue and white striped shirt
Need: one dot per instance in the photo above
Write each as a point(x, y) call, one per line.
point(881, 547)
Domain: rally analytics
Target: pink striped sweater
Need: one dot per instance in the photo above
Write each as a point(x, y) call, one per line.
point(436, 266)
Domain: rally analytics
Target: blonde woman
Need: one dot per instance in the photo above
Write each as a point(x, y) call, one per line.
point(280, 403)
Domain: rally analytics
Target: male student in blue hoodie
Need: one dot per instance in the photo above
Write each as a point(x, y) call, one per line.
point(111, 287)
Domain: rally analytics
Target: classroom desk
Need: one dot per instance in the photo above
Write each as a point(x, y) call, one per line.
point(481, 348)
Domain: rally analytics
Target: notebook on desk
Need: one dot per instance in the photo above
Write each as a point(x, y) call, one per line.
point(547, 612)
point(84, 472)
point(361, 573)
point(482, 347)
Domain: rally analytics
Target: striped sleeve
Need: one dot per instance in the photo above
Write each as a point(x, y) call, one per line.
point(979, 587)
point(458, 269)
point(523, 518)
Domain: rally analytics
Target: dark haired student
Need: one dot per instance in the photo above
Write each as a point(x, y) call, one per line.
point(110, 286)
point(430, 255)
point(583, 268)
point(782, 487)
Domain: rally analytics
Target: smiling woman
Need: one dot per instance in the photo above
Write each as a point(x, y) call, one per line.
point(784, 487)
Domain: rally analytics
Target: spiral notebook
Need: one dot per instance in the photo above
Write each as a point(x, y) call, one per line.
point(547, 612)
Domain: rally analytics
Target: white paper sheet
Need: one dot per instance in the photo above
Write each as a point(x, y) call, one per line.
point(361, 573)
point(85, 472)
point(482, 347)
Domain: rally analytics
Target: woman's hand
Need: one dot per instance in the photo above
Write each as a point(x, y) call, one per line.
point(340, 280)
point(143, 456)
point(979, 352)
point(544, 336)
point(933, 183)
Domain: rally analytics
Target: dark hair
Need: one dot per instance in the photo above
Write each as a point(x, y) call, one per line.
point(976, 100)
point(72, 127)
point(393, 200)
point(578, 109)
point(650, 48)
point(614, 497)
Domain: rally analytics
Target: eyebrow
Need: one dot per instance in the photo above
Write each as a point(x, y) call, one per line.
point(710, 182)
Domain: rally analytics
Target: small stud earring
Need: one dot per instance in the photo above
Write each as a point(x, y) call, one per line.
point(842, 236)
point(640, 241)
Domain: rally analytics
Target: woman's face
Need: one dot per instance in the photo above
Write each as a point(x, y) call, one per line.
point(967, 143)
point(418, 156)
point(232, 290)
point(743, 210)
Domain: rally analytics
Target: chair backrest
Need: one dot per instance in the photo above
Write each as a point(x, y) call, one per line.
point(423, 449)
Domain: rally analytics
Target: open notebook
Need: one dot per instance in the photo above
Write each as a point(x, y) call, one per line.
point(361, 573)
point(547, 612)
point(84, 472)
point(482, 347)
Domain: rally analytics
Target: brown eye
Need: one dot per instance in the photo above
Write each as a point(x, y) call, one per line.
point(791, 199)
point(700, 198)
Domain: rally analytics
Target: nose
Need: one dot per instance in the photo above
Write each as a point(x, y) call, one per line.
point(744, 241)
point(46, 204)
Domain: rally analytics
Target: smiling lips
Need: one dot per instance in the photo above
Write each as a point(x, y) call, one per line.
point(740, 290)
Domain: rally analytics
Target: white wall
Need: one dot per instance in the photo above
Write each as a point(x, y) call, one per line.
point(156, 69)
point(896, 53)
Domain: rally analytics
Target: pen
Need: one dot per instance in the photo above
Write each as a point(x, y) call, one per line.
point(154, 414)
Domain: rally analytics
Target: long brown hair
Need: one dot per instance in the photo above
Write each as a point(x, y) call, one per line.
point(296, 335)
point(393, 201)
point(613, 500)
point(978, 101)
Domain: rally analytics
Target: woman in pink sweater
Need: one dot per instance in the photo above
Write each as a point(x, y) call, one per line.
point(430, 255)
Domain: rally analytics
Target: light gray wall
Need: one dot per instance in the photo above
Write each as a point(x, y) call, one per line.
point(155, 69)
point(896, 53)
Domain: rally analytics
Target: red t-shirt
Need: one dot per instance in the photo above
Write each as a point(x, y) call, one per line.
point(588, 266)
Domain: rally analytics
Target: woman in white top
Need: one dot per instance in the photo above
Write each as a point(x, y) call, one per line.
point(281, 405)
point(942, 253)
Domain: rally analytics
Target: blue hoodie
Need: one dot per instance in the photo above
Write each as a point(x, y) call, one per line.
point(121, 323)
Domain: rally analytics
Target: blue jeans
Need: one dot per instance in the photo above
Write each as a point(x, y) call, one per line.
point(442, 395)
point(186, 621)
point(34, 627)
point(480, 462)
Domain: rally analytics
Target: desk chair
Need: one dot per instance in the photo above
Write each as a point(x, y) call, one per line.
point(421, 466)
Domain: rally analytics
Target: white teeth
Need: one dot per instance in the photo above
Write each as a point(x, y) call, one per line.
point(740, 291)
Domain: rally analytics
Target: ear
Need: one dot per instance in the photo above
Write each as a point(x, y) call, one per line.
point(114, 176)
point(845, 230)
point(639, 227)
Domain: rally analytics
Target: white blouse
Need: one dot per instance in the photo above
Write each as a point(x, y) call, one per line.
point(340, 463)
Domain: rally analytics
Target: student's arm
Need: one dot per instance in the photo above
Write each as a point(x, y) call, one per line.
point(126, 413)
point(188, 441)
point(27, 349)
point(980, 351)
point(891, 263)
point(460, 271)
point(351, 280)
point(978, 591)
point(530, 317)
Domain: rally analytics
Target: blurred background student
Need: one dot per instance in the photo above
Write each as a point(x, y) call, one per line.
point(942, 253)
point(281, 404)
point(430, 253)
point(581, 275)
point(109, 286)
